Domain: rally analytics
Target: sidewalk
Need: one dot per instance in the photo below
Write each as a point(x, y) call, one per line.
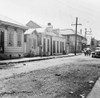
point(32, 59)
point(95, 92)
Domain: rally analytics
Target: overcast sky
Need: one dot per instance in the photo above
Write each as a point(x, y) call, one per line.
point(61, 13)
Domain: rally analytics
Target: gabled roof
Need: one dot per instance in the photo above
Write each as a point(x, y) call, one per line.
point(32, 24)
point(29, 31)
point(39, 31)
point(67, 31)
point(7, 21)
point(42, 31)
point(57, 32)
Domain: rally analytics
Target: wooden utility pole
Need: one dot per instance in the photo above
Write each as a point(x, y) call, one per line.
point(76, 33)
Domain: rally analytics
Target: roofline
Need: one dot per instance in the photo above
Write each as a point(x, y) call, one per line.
point(13, 24)
point(73, 34)
point(67, 29)
point(34, 23)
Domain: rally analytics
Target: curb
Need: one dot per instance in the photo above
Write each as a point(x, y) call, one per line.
point(95, 91)
point(37, 59)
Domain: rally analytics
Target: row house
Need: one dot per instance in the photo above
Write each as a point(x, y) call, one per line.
point(69, 34)
point(11, 38)
point(59, 43)
point(31, 46)
point(93, 44)
point(37, 42)
point(43, 41)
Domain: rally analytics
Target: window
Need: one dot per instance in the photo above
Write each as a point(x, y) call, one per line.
point(38, 41)
point(54, 47)
point(44, 50)
point(57, 46)
point(25, 38)
point(10, 38)
point(19, 39)
point(60, 47)
point(68, 38)
point(34, 43)
point(48, 45)
point(1, 41)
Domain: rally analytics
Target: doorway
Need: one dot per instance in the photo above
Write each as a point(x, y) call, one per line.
point(1, 42)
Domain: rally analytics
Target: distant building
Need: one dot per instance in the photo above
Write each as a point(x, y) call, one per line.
point(32, 24)
point(98, 43)
point(88, 37)
point(94, 43)
point(69, 34)
point(11, 38)
point(49, 41)
point(31, 44)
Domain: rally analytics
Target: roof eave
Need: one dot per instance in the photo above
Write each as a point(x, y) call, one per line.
point(15, 25)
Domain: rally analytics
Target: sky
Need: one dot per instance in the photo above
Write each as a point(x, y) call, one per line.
point(60, 13)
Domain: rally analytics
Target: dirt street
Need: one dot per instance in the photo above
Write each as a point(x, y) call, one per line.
point(69, 77)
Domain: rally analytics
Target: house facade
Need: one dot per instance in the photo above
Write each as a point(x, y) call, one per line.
point(58, 44)
point(31, 43)
point(55, 43)
point(69, 34)
point(93, 44)
point(11, 38)
point(45, 43)
point(49, 42)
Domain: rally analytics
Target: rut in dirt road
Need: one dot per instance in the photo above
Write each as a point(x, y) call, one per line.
point(67, 78)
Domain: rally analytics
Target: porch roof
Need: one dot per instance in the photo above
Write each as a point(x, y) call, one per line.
point(29, 31)
point(66, 31)
point(42, 31)
point(7, 21)
point(69, 32)
point(39, 30)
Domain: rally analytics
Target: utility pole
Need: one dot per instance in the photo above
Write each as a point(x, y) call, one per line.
point(76, 33)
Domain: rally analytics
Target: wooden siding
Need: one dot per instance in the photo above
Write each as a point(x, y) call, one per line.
point(59, 40)
point(32, 39)
point(14, 48)
point(45, 51)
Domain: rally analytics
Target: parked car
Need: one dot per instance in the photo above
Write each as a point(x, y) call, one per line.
point(96, 53)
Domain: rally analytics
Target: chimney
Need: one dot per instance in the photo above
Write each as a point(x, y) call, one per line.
point(49, 27)
point(49, 24)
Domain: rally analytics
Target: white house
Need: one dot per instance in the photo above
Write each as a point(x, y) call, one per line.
point(49, 41)
point(11, 38)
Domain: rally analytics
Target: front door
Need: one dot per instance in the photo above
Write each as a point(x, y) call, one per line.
point(1, 42)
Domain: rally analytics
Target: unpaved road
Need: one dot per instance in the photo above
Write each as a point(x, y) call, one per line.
point(55, 78)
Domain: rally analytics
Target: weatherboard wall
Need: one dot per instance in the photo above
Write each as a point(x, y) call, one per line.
point(13, 50)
